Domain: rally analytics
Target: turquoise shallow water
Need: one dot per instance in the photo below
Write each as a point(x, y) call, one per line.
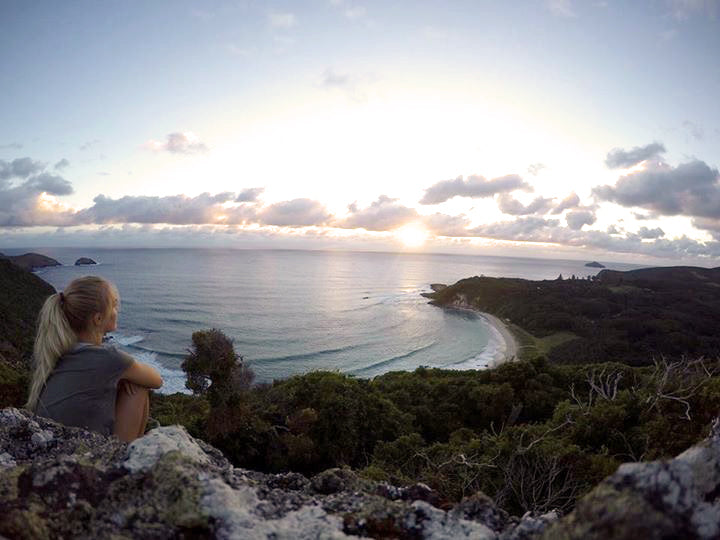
point(294, 311)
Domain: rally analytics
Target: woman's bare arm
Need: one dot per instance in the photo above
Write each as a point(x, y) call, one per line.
point(142, 375)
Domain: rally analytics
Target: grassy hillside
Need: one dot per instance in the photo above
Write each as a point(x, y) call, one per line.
point(21, 296)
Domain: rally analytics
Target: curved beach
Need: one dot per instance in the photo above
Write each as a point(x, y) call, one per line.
point(511, 344)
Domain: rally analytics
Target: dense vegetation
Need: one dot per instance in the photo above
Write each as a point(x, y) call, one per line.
point(629, 317)
point(532, 435)
point(21, 296)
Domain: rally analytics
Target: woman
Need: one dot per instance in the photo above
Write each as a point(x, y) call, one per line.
point(79, 381)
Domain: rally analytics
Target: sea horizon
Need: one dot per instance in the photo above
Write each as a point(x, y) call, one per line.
point(293, 311)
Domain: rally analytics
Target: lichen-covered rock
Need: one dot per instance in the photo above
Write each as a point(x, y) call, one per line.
point(677, 498)
point(64, 482)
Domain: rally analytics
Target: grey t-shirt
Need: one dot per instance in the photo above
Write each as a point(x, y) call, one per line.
point(82, 388)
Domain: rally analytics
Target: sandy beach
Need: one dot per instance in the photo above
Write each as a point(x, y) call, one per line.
point(503, 346)
point(511, 345)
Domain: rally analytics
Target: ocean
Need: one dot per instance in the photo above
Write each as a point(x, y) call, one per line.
point(291, 312)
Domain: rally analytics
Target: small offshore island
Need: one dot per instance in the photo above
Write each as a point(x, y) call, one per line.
point(610, 373)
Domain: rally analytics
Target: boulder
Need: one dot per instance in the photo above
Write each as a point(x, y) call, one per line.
point(676, 498)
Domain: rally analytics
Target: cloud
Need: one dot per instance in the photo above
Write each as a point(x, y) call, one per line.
point(89, 144)
point(691, 189)
point(527, 229)
point(684, 9)
point(561, 8)
point(384, 214)
point(356, 88)
point(707, 224)
point(644, 217)
point(11, 146)
point(175, 209)
point(19, 168)
point(475, 187)
point(646, 233)
point(577, 218)
point(249, 194)
point(355, 12)
point(202, 14)
point(62, 164)
point(535, 168)
point(294, 213)
point(50, 184)
point(571, 201)
point(282, 20)
point(694, 130)
point(535, 229)
point(332, 79)
point(618, 158)
point(445, 225)
point(32, 201)
point(351, 11)
point(178, 143)
point(510, 205)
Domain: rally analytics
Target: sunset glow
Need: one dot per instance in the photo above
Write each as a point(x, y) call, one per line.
point(396, 125)
point(412, 235)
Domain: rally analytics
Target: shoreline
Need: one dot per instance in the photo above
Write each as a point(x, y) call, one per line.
point(511, 343)
point(507, 338)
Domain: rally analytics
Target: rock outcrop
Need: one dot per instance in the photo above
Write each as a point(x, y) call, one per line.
point(59, 481)
point(677, 498)
point(30, 261)
point(84, 261)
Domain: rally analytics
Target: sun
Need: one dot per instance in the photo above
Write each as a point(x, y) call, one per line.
point(412, 235)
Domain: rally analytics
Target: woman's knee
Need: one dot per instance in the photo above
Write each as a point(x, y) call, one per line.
point(132, 396)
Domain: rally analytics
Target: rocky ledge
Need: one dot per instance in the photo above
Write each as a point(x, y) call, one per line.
point(59, 481)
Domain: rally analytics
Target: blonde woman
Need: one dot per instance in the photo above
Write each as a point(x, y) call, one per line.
point(79, 381)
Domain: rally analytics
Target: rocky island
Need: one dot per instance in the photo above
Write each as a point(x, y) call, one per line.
point(594, 264)
point(82, 261)
point(31, 261)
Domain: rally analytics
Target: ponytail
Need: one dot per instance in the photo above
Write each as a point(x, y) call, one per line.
point(54, 338)
point(62, 317)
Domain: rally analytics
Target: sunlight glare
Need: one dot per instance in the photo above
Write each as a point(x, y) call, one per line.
point(412, 235)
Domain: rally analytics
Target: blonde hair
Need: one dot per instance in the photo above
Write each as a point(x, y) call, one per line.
point(62, 316)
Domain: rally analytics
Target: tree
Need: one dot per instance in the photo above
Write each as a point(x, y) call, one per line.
point(214, 369)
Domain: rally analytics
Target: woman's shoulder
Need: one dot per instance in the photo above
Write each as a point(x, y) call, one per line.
point(92, 356)
point(84, 350)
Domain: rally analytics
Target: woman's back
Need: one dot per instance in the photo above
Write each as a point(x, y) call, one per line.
point(82, 388)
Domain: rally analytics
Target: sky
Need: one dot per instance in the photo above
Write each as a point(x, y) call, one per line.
point(549, 128)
